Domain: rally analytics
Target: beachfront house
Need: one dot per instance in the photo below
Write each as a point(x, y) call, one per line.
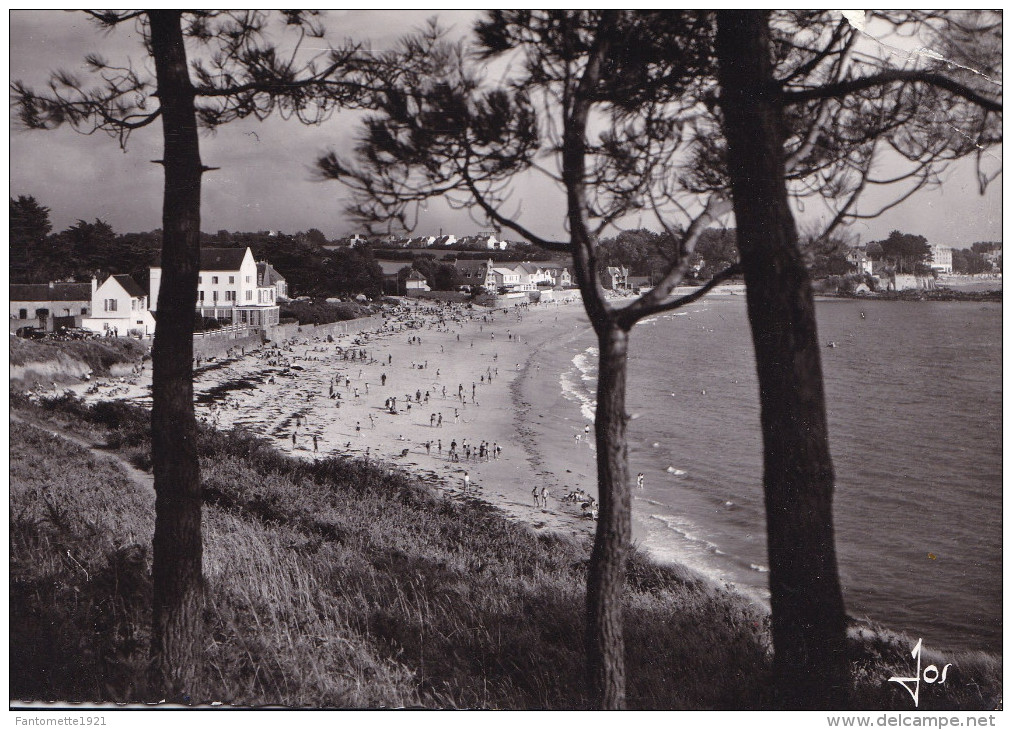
point(531, 276)
point(941, 258)
point(267, 277)
point(559, 277)
point(119, 308)
point(229, 289)
point(415, 282)
point(51, 305)
point(474, 273)
point(616, 277)
point(506, 279)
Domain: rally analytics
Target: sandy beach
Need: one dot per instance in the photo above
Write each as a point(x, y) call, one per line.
point(461, 378)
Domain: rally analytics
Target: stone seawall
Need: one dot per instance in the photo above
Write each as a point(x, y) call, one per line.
point(206, 347)
point(282, 332)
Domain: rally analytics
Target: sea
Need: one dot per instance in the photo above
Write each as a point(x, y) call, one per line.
point(914, 396)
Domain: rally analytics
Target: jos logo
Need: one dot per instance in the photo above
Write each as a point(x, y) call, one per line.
point(930, 675)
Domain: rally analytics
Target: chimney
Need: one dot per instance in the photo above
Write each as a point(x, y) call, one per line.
point(94, 286)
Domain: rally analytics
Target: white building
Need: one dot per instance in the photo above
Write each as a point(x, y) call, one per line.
point(229, 288)
point(41, 304)
point(506, 279)
point(119, 307)
point(415, 282)
point(941, 258)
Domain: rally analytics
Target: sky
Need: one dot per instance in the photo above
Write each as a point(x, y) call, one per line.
point(266, 179)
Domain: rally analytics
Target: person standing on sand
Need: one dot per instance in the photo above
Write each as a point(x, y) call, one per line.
point(544, 497)
point(439, 421)
point(358, 428)
point(293, 439)
point(467, 482)
point(316, 444)
point(537, 496)
point(383, 379)
point(639, 480)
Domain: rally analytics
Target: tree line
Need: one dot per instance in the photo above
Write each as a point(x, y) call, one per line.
point(686, 116)
point(87, 249)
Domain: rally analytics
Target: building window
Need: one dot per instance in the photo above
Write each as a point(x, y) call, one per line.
point(214, 279)
point(200, 279)
point(231, 280)
point(22, 314)
point(110, 305)
point(84, 310)
point(249, 295)
point(214, 295)
point(249, 279)
point(200, 296)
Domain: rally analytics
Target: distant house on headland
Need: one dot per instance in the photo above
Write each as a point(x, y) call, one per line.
point(39, 305)
point(119, 307)
point(859, 259)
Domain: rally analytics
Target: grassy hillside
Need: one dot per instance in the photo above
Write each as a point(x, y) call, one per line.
point(342, 583)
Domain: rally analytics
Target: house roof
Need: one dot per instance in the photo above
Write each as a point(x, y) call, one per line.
point(267, 274)
point(478, 266)
point(221, 259)
point(55, 292)
point(130, 286)
point(415, 276)
point(527, 268)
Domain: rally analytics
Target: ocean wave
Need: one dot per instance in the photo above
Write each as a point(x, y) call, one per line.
point(678, 527)
point(586, 364)
point(572, 391)
point(759, 568)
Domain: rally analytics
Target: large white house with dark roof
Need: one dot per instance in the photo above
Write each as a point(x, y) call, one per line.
point(230, 287)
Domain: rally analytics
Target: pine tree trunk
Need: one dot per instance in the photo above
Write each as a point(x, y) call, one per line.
point(178, 581)
point(809, 624)
point(606, 574)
